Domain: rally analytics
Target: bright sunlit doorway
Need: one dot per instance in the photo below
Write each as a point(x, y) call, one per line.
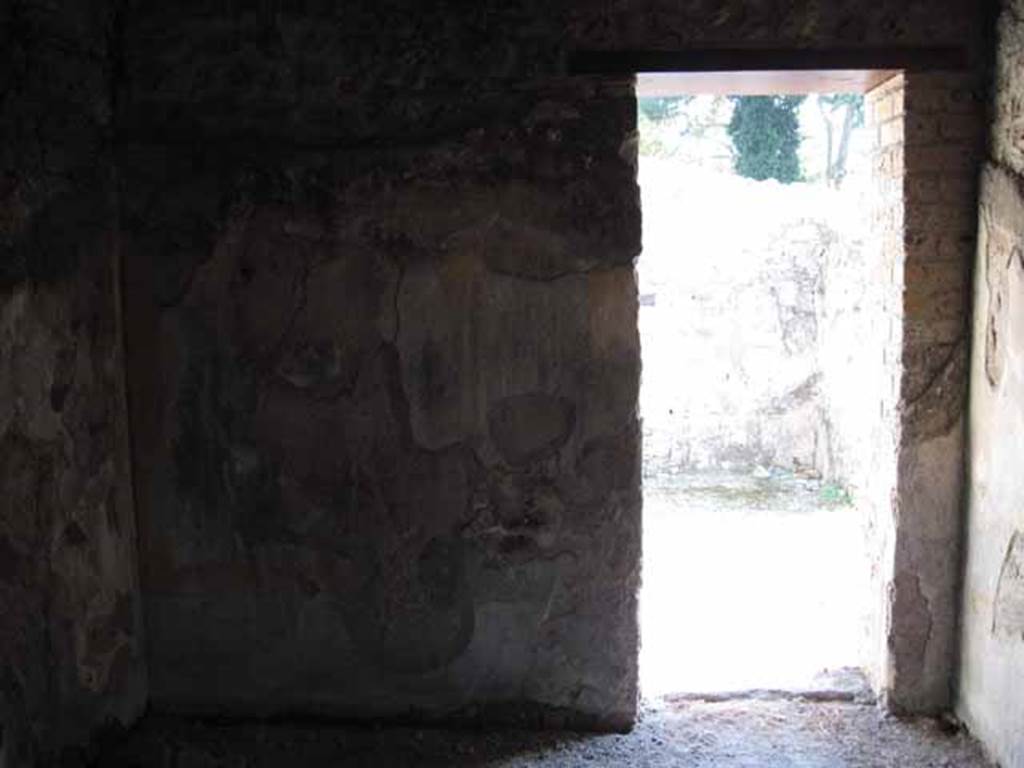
point(766, 341)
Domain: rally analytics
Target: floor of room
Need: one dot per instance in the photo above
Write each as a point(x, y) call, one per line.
point(730, 734)
point(756, 631)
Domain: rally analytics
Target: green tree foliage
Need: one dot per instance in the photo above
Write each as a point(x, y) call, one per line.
point(765, 135)
point(659, 108)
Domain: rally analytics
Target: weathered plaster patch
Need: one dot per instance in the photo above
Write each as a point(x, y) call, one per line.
point(1001, 254)
point(908, 602)
point(937, 403)
point(1008, 611)
point(524, 427)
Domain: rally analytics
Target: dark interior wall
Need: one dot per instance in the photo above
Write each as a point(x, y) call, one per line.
point(71, 656)
point(384, 349)
point(381, 319)
point(382, 338)
point(390, 417)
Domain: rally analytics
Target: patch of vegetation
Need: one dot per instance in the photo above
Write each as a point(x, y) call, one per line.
point(765, 132)
point(836, 495)
point(756, 494)
point(657, 108)
point(656, 139)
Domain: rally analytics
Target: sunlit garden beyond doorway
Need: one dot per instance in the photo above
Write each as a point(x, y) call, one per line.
point(757, 316)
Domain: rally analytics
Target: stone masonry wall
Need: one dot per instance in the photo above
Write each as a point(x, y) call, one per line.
point(906, 465)
point(943, 141)
point(71, 651)
point(990, 698)
point(730, 320)
point(860, 349)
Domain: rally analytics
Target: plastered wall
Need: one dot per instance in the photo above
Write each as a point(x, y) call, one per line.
point(991, 698)
point(72, 658)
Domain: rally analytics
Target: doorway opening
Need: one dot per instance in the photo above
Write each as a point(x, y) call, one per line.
point(769, 323)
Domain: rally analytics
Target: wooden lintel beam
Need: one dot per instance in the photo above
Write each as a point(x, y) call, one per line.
point(625, 62)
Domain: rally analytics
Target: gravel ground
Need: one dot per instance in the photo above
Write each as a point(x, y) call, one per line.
point(730, 734)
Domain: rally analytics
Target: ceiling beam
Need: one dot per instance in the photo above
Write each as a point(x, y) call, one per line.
point(624, 62)
point(668, 84)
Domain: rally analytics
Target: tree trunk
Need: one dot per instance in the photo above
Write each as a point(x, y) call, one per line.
point(844, 145)
point(828, 146)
